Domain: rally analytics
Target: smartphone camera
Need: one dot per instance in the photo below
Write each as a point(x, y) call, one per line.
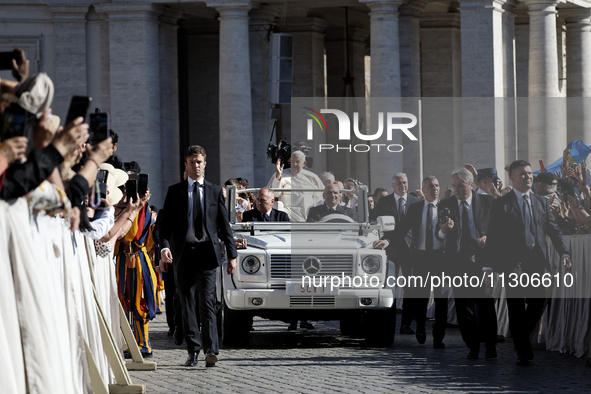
point(131, 190)
point(102, 176)
point(6, 60)
point(142, 187)
point(99, 127)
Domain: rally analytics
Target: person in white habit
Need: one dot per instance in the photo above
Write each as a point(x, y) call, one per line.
point(296, 204)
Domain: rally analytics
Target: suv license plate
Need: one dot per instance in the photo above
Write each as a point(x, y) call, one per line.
point(296, 288)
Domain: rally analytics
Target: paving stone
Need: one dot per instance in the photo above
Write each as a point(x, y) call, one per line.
point(323, 360)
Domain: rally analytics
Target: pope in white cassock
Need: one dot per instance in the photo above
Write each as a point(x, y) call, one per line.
point(296, 204)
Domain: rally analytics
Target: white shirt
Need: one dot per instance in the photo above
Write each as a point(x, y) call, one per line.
point(191, 226)
point(470, 215)
point(421, 244)
point(520, 201)
point(104, 220)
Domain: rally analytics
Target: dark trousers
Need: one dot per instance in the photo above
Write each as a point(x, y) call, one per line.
point(196, 288)
point(174, 316)
point(408, 304)
point(477, 319)
point(423, 263)
point(524, 315)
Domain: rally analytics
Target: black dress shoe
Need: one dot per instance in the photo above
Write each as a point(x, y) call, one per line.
point(147, 354)
point(178, 337)
point(438, 345)
point(305, 324)
point(170, 333)
point(472, 355)
point(406, 330)
point(421, 336)
point(191, 359)
point(210, 360)
point(127, 354)
point(522, 361)
point(491, 352)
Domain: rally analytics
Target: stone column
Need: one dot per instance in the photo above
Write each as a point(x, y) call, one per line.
point(441, 71)
point(135, 88)
point(261, 26)
point(410, 71)
point(308, 80)
point(578, 72)
point(543, 62)
point(70, 55)
point(546, 123)
point(483, 132)
point(385, 83)
point(509, 87)
point(521, 78)
point(336, 60)
point(170, 147)
point(236, 153)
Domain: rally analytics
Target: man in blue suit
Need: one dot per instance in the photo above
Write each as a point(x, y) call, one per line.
point(519, 224)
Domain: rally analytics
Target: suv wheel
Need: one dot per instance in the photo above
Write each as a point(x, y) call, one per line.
point(235, 326)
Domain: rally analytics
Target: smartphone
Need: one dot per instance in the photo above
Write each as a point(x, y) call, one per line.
point(99, 127)
point(131, 189)
point(18, 122)
point(103, 190)
point(142, 187)
point(78, 107)
point(6, 60)
point(102, 176)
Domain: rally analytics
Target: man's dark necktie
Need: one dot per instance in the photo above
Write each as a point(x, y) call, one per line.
point(429, 228)
point(466, 237)
point(401, 207)
point(530, 240)
point(266, 217)
point(197, 214)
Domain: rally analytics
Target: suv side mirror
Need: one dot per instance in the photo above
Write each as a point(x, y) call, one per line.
point(387, 223)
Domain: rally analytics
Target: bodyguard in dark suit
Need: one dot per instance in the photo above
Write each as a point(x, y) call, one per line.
point(520, 222)
point(264, 211)
point(397, 204)
point(332, 197)
point(195, 217)
point(465, 235)
point(426, 257)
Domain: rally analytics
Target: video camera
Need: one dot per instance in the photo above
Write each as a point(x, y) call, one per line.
point(445, 214)
point(281, 151)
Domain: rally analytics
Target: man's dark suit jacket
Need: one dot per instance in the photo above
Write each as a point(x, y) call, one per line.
point(413, 222)
point(398, 248)
point(318, 212)
point(173, 229)
point(506, 238)
point(254, 215)
point(481, 212)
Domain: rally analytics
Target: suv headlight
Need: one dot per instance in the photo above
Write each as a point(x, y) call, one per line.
point(371, 264)
point(251, 264)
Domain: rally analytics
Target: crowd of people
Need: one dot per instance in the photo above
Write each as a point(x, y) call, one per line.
point(70, 228)
point(54, 208)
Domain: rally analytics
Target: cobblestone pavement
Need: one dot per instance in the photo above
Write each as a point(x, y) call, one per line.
point(322, 360)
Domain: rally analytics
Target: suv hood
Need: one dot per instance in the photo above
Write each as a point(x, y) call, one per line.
point(308, 241)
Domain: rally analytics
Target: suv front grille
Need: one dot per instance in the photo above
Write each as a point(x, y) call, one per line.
point(311, 302)
point(290, 266)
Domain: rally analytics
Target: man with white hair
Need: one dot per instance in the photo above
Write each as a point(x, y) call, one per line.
point(296, 204)
point(327, 178)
